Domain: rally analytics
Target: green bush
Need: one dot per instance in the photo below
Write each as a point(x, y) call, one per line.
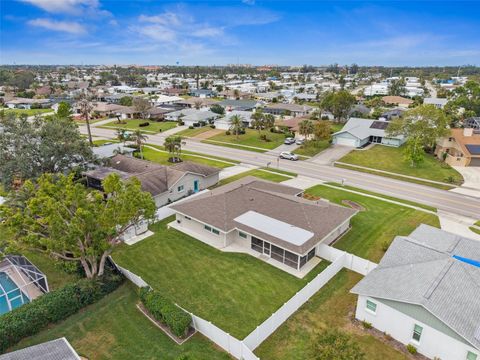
point(411, 349)
point(366, 325)
point(52, 307)
point(162, 309)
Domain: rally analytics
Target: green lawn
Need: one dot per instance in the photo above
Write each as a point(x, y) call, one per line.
point(477, 223)
point(132, 124)
point(101, 142)
point(312, 147)
point(194, 132)
point(28, 112)
point(475, 230)
point(251, 138)
point(331, 307)
point(407, 202)
point(283, 172)
point(236, 292)
point(114, 329)
point(392, 159)
point(162, 158)
point(378, 224)
point(257, 173)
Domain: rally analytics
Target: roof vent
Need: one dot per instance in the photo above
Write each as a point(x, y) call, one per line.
point(475, 263)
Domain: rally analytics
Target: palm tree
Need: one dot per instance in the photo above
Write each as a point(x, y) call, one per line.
point(236, 124)
point(122, 135)
point(257, 120)
point(269, 121)
point(305, 128)
point(86, 107)
point(139, 138)
point(173, 144)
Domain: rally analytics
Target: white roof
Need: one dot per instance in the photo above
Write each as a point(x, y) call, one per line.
point(273, 227)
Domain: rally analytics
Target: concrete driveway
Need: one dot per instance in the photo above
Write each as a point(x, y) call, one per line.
point(281, 148)
point(333, 153)
point(471, 175)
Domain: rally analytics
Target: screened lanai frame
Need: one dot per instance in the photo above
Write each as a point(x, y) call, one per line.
point(29, 280)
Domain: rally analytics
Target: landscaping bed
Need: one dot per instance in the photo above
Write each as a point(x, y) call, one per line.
point(373, 230)
point(134, 124)
point(392, 159)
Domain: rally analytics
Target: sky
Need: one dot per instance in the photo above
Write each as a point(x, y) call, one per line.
point(152, 32)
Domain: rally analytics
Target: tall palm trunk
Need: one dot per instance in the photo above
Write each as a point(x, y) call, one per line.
point(87, 121)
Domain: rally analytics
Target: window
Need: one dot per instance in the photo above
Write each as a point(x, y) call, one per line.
point(208, 228)
point(257, 244)
point(471, 356)
point(180, 188)
point(371, 306)
point(242, 235)
point(188, 217)
point(216, 232)
point(212, 230)
point(417, 332)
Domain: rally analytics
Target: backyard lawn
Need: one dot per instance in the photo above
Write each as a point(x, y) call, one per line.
point(250, 138)
point(114, 329)
point(161, 157)
point(277, 177)
point(236, 292)
point(392, 159)
point(331, 307)
point(377, 225)
point(133, 124)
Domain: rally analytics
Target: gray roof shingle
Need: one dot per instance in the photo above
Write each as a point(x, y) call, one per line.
point(58, 349)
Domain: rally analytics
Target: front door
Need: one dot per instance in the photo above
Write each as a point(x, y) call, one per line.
point(195, 186)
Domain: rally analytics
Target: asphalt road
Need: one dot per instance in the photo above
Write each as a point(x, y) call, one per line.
point(441, 199)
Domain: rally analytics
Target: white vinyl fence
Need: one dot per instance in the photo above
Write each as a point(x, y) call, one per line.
point(352, 262)
point(165, 211)
point(268, 327)
point(134, 278)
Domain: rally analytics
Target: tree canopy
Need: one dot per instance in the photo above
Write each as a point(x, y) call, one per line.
point(339, 103)
point(30, 148)
point(64, 219)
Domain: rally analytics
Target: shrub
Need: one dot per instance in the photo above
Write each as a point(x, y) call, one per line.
point(411, 349)
point(227, 132)
point(212, 126)
point(191, 127)
point(143, 124)
point(162, 309)
point(52, 307)
point(366, 325)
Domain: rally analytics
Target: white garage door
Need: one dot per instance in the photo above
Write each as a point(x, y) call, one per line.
point(346, 142)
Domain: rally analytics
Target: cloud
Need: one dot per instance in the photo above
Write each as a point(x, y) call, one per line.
point(249, 2)
point(62, 26)
point(64, 6)
point(208, 32)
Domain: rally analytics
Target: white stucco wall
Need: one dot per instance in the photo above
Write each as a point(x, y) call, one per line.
point(433, 343)
point(195, 228)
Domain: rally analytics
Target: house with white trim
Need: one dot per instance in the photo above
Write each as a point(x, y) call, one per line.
point(426, 293)
point(267, 220)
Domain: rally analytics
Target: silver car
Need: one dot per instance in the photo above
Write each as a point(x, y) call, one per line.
point(288, 156)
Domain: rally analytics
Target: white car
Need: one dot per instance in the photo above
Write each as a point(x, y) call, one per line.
point(288, 156)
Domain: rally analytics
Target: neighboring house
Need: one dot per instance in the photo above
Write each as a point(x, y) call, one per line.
point(242, 105)
point(197, 103)
point(287, 109)
point(397, 101)
point(234, 94)
point(108, 151)
point(25, 103)
point(293, 124)
point(105, 109)
point(202, 93)
point(167, 100)
point(461, 148)
point(264, 219)
point(426, 292)
point(192, 117)
point(166, 183)
point(473, 122)
point(58, 349)
point(359, 132)
point(391, 114)
point(223, 123)
point(439, 103)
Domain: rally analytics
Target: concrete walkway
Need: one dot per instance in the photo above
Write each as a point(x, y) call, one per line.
point(457, 224)
point(302, 182)
point(235, 170)
point(330, 155)
point(471, 185)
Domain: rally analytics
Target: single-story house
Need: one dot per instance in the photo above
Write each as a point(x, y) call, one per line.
point(196, 102)
point(167, 100)
point(439, 103)
point(223, 123)
point(192, 117)
point(166, 183)
point(292, 124)
point(202, 93)
point(359, 132)
point(58, 349)
point(264, 219)
point(241, 105)
point(397, 101)
point(26, 103)
point(287, 109)
point(391, 114)
point(234, 94)
point(461, 148)
point(426, 293)
point(130, 112)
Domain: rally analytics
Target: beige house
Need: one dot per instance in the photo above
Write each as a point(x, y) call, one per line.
point(264, 219)
point(461, 148)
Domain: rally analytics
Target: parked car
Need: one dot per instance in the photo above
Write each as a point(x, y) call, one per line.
point(288, 156)
point(300, 141)
point(289, 141)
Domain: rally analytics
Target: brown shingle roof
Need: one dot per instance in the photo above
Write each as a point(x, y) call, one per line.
point(220, 207)
point(396, 100)
point(462, 140)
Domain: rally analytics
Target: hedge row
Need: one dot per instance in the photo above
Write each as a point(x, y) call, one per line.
point(165, 311)
point(52, 307)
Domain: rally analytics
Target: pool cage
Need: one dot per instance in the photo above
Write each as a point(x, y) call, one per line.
point(20, 282)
